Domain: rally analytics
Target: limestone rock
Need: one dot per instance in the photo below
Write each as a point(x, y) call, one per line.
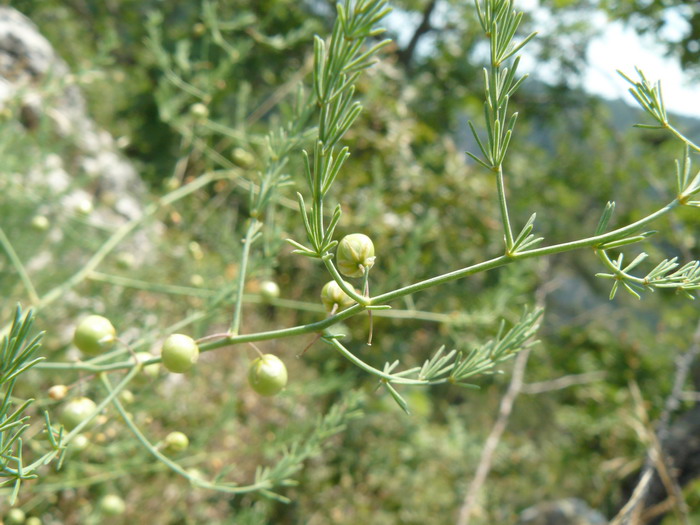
point(38, 89)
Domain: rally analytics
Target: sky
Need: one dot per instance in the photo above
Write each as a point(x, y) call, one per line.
point(617, 48)
point(620, 48)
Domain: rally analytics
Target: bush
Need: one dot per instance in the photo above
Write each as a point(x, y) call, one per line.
point(441, 258)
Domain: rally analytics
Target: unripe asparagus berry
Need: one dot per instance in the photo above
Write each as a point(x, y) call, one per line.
point(267, 375)
point(76, 411)
point(333, 296)
point(79, 443)
point(15, 516)
point(127, 397)
point(112, 505)
point(180, 353)
point(94, 335)
point(150, 371)
point(126, 260)
point(84, 207)
point(242, 157)
point(355, 255)
point(199, 111)
point(58, 392)
point(40, 223)
point(269, 290)
point(176, 442)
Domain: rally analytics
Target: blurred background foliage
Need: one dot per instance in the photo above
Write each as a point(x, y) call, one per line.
point(192, 87)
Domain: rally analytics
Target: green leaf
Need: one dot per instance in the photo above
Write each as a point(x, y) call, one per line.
point(626, 241)
point(605, 218)
point(397, 397)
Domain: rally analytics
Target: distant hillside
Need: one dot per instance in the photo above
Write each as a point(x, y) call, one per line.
point(625, 115)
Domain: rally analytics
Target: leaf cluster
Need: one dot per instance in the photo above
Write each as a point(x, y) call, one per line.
point(454, 367)
point(17, 356)
point(337, 67)
point(499, 22)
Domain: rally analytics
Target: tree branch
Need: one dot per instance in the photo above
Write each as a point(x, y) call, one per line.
point(406, 55)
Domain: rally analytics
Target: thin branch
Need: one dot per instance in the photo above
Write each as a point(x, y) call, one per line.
point(504, 411)
point(281, 92)
point(506, 407)
point(406, 55)
point(563, 382)
point(659, 458)
point(673, 402)
point(19, 267)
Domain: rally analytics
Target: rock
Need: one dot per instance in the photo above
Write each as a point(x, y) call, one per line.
point(38, 89)
point(570, 511)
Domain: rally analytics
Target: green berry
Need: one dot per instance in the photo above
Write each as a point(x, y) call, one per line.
point(176, 442)
point(243, 158)
point(180, 353)
point(150, 371)
point(195, 475)
point(15, 516)
point(267, 375)
point(84, 207)
point(338, 330)
point(112, 505)
point(40, 223)
point(269, 290)
point(199, 111)
point(33, 520)
point(94, 335)
point(198, 29)
point(79, 443)
point(127, 396)
point(76, 411)
point(333, 296)
point(355, 255)
point(126, 260)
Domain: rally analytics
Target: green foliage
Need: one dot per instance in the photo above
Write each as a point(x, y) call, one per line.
point(229, 110)
point(17, 356)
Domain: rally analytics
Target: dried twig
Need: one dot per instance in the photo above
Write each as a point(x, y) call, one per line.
point(494, 438)
point(659, 458)
point(562, 382)
point(504, 411)
point(629, 511)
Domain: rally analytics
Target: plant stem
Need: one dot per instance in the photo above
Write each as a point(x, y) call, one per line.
point(306, 306)
point(505, 259)
point(618, 272)
point(682, 137)
point(376, 372)
point(504, 209)
point(172, 465)
point(238, 303)
point(599, 239)
point(19, 267)
point(172, 289)
point(319, 326)
point(349, 290)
